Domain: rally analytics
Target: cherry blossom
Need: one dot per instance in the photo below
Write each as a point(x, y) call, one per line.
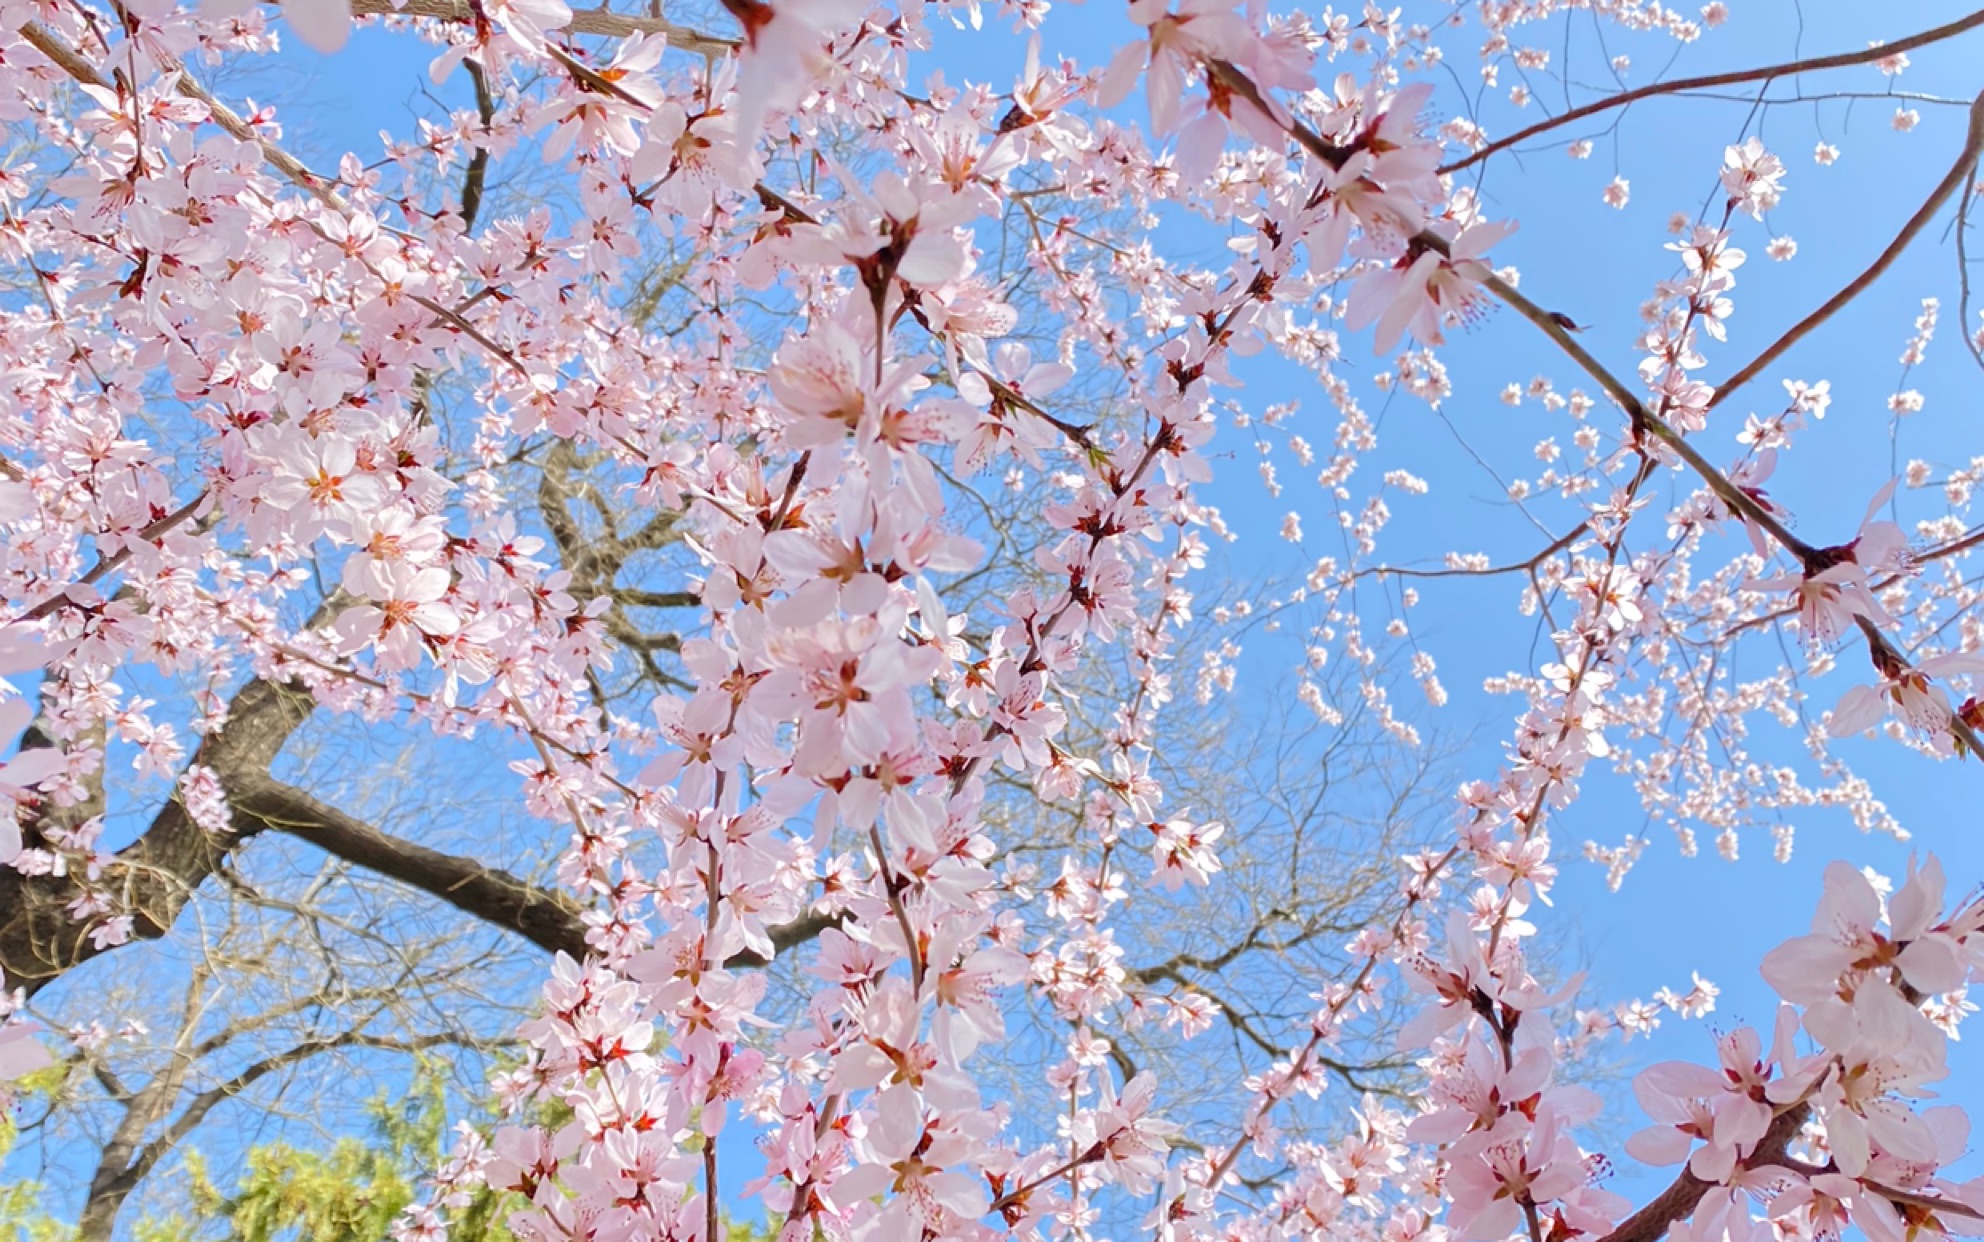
point(921, 435)
point(1426, 288)
point(21, 1054)
point(323, 24)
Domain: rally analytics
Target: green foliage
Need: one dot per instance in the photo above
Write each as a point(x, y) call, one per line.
point(349, 1192)
point(24, 1219)
point(24, 1215)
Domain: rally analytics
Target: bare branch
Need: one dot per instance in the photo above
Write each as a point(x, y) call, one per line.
point(494, 896)
point(597, 21)
point(115, 1180)
point(1958, 175)
point(1767, 73)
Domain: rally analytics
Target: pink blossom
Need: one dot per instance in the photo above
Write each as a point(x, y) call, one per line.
point(206, 802)
point(1834, 590)
point(1198, 30)
point(320, 479)
point(323, 24)
point(1847, 938)
point(1132, 1143)
point(784, 52)
point(1472, 1095)
point(1753, 177)
point(21, 1054)
point(409, 612)
point(1908, 690)
point(909, 1154)
point(1425, 289)
point(1494, 1172)
point(22, 772)
point(1183, 852)
point(1692, 1102)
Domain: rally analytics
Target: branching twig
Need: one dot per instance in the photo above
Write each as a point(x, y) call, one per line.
point(1840, 60)
point(1958, 175)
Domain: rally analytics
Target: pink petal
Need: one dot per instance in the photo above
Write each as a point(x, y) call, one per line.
point(323, 24)
point(1859, 709)
point(1933, 965)
point(31, 767)
point(1121, 77)
point(1805, 968)
point(20, 1053)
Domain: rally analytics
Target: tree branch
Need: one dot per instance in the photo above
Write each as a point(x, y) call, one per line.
point(1767, 73)
point(113, 1184)
point(545, 918)
point(597, 21)
point(40, 940)
point(1953, 180)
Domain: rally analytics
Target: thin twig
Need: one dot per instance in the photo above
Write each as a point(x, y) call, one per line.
point(1839, 60)
point(1953, 180)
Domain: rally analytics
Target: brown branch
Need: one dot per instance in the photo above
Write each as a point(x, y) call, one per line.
point(1734, 497)
point(142, 1110)
point(113, 562)
point(1766, 73)
point(546, 918)
point(157, 874)
point(596, 21)
point(1557, 327)
point(1953, 180)
point(636, 598)
point(1555, 546)
point(78, 67)
point(490, 894)
point(477, 173)
point(892, 887)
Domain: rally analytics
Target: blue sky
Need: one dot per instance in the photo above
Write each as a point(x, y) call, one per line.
point(1674, 915)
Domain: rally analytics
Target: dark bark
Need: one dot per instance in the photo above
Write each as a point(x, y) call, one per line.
point(546, 918)
point(491, 894)
point(40, 941)
point(158, 873)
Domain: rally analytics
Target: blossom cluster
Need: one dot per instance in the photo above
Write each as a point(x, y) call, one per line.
point(845, 736)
